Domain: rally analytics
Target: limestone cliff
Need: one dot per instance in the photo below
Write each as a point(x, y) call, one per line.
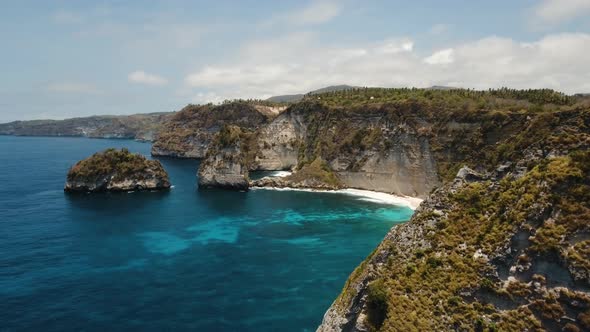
point(226, 163)
point(116, 170)
point(404, 148)
point(279, 142)
point(500, 250)
point(190, 131)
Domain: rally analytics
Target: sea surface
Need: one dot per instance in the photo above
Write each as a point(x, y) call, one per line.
point(183, 260)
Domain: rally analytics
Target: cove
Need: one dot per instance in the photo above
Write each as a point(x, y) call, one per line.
point(179, 260)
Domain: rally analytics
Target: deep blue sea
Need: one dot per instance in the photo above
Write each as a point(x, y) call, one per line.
point(183, 260)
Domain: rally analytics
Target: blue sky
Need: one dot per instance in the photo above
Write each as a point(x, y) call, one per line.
point(64, 59)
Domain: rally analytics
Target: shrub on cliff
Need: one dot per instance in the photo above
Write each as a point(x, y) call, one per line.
point(109, 169)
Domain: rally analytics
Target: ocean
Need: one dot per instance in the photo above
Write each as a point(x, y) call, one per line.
point(182, 260)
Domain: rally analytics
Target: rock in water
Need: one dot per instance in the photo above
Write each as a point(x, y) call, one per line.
point(116, 170)
point(227, 161)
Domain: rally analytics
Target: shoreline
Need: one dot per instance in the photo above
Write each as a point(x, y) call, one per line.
point(366, 195)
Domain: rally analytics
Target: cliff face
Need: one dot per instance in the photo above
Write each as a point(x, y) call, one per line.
point(189, 133)
point(403, 148)
point(278, 142)
point(500, 250)
point(116, 170)
point(227, 160)
point(139, 126)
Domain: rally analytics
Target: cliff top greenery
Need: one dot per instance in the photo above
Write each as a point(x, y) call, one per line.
point(465, 98)
point(120, 164)
point(200, 122)
point(240, 112)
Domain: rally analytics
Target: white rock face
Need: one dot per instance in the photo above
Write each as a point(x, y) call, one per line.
point(406, 167)
point(279, 143)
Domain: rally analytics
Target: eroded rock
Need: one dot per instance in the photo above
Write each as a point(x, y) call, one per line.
point(116, 170)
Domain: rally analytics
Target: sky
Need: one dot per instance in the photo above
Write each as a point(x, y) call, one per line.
point(62, 59)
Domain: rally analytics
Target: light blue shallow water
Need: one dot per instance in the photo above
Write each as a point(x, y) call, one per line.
point(175, 261)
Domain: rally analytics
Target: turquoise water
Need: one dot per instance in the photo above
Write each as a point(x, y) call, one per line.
point(175, 261)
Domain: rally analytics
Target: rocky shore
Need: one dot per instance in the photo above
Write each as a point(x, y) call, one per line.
point(116, 170)
point(277, 182)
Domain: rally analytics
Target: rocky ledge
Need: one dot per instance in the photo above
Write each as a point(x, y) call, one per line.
point(277, 182)
point(116, 170)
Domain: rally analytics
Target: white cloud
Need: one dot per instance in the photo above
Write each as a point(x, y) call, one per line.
point(556, 11)
point(395, 46)
point(442, 57)
point(317, 12)
point(556, 61)
point(73, 88)
point(142, 77)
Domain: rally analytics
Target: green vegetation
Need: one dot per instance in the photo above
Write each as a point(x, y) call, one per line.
point(190, 131)
point(251, 101)
point(377, 303)
point(120, 164)
point(229, 135)
point(461, 127)
point(465, 98)
point(236, 145)
point(425, 290)
point(317, 171)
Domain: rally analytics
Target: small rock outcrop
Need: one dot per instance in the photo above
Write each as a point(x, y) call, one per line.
point(226, 164)
point(116, 170)
point(316, 175)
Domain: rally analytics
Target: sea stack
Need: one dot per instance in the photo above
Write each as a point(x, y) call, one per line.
point(227, 161)
point(116, 170)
